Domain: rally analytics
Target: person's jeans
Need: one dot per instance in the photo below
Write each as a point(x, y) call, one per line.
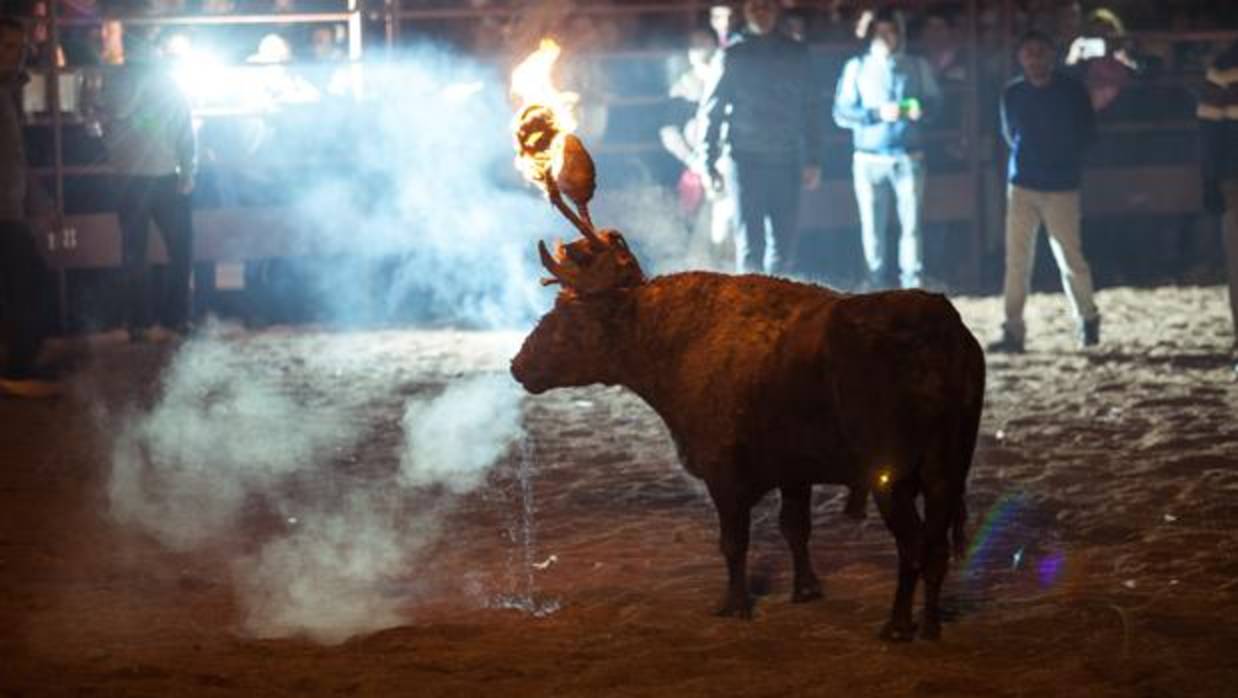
point(1059, 211)
point(22, 275)
point(876, 177)
point(1229, 227)
point(769, 202)
point(142, 200)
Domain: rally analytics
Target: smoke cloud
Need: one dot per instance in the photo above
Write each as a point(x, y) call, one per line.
point(229, 436)
point(420, 214)
point(453, 440)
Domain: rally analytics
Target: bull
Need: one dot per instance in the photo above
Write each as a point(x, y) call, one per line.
point(766, 383)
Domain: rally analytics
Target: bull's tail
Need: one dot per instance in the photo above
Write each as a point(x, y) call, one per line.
point(958, 528)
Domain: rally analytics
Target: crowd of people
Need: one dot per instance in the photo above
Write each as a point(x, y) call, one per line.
point(746, 128)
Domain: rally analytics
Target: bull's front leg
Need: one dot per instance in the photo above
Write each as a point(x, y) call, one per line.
point(795, 521)
point(734, 521)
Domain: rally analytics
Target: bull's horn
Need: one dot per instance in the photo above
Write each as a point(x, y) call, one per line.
point(556, 198)
point(548, 261)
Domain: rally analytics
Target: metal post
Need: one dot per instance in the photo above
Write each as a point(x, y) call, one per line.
point(973, 275)
point(53, 90)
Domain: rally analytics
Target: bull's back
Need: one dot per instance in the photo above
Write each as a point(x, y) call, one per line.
point(906, 372)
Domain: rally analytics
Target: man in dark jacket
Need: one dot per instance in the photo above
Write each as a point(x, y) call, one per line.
point(21, 267)
point(884, 96)
point(1218, 128)
point(1047, 121)
point(153, 148)
point(767, 100)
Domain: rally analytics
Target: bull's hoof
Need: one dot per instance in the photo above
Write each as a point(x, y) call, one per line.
point(735, 607)
point(809, 590)
point(898, 632)
point(931, 631)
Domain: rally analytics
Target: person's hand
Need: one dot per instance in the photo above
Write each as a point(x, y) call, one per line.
point(914, 112)
point(716, 183)
point(811, 177)
point(890, 112)
point(1214, 202)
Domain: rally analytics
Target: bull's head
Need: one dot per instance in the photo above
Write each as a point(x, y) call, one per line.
point(582, 339)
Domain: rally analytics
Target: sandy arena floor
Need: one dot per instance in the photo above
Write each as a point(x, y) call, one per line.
point(293, 546)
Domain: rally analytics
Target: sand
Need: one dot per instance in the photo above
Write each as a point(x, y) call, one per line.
point(1104, 557)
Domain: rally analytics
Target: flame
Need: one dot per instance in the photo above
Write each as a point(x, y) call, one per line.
point(544, 114)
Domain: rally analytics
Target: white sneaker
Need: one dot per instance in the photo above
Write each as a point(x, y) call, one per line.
point(30, 388)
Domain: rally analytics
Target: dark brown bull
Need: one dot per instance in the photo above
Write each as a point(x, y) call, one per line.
point(766, 383)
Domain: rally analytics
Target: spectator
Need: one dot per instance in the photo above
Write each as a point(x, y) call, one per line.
point(765, 96)
point(942, 49)
point(152, 147)
point(709, 215)
point(1047, 120)
point(42, 52)
point(1102, 58)
point(112, 42)
point(883, 96)
point(1218, 126)
point(21, 266)
point(722, 22)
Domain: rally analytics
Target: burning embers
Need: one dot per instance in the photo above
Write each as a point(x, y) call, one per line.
point(550, 156)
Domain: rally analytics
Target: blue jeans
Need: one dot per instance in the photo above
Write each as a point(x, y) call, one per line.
point(876, 177)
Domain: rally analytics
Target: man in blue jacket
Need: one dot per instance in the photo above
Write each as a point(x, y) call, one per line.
point(884, 97)
point(1047, 120)
point(765, 97)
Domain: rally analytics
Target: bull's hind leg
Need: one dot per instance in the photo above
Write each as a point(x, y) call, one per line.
point(897, 503)
point(857, 501)
point(734, 521)
point(939, 513)
point(795, 521)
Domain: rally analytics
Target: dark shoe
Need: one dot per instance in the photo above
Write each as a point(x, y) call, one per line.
point(1089, 332)
point(1007, 344)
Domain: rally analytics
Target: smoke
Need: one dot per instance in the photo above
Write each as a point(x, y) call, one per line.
point(222, 429)
point(453, 440)
point(231, 442)
point(419, 214)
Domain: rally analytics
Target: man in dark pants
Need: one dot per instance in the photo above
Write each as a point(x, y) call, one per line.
point(152, 146)
point(1218, 129)
point(766, 97)
point(21, 267)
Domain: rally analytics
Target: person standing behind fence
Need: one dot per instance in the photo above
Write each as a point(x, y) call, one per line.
point(21, 266)
point(1047, 120)
point(708, 215)
point(151, 145)
point(883, 97)
point(765, 96)
point(1218, 128)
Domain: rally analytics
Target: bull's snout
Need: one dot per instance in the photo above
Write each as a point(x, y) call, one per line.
point(524, 374)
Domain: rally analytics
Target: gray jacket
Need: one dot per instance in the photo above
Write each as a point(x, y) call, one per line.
point(148, 127)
